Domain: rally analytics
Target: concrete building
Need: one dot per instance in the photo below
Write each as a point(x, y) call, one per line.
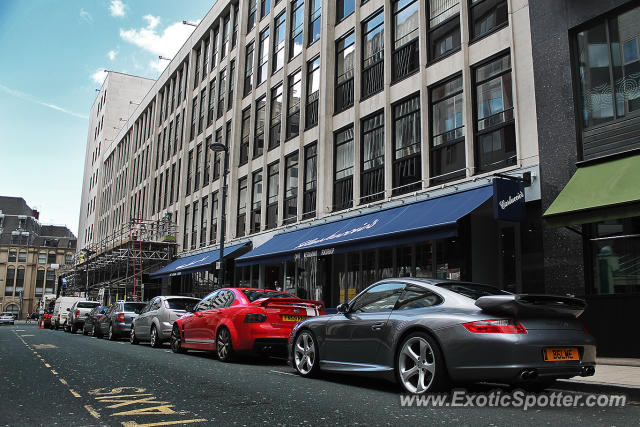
point(350, 128)
point(32, 255)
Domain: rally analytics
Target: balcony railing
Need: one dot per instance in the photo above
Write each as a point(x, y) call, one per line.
point(343, 194)
point(373, 79)
point(311, 114)
point(240, 225)
point(244, 152)
point(274, 135)
point(407, 174)
point(406, 60)
point(372, 182)
point(309, 204)
point(290, 212)
point(272, 215)
point(344, 95)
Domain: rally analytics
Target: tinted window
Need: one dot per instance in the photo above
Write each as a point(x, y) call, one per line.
point(256, 295)
point(206, 303)
point(472, 290)
point(136, 307)
point(223, 299)
point(181, 304)
point(417, 297)
point(155, 304)
point(381, 297)
point(87, 304)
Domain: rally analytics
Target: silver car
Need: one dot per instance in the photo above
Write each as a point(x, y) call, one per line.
point(155, 322)
point(7, 318)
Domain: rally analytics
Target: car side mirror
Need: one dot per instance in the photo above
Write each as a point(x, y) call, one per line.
point(343, 308)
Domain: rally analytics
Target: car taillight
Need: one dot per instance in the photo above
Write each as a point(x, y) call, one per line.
point(120, 317)
point(77, 312)
point(100, 317)
point(585, 330)
point(495, 326)
point(255, 318)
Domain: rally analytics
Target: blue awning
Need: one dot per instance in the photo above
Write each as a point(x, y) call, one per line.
point(194, 263)
point(430, 219)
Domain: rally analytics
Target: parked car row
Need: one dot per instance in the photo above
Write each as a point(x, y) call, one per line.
point(424, 334)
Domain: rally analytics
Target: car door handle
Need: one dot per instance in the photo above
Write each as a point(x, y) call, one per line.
point(377, 326)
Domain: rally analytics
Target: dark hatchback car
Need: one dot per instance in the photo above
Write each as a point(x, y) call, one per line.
point(116, 322)
point(91, 323)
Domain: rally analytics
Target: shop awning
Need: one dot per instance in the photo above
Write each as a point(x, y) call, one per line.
point(598, 192)
point(429, 219)
point(194, 263)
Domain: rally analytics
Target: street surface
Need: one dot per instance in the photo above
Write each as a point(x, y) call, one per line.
point(52, 377)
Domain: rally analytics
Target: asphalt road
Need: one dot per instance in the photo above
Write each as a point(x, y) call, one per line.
point(56, 378)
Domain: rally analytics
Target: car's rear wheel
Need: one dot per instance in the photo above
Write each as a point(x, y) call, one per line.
point(154, 339)
point(132, 336)
point(176, 341)
point(224, 347)
point(419, 364)
point(73, 328)
point(111, 335)
point(305, 354)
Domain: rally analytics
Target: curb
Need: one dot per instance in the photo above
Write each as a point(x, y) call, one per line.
point(632, 393)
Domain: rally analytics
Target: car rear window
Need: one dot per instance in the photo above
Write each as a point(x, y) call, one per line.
point(256, 295)
point(181, 304)
point(6, 314)
point(136, 307)
point(472, 290)
point(87, 304)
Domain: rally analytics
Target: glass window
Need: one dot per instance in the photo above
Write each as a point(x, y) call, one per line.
point(343, 175)
point(265, 8)
point(297, 25)
point(223, 299)
point(344, 8)
point(252, 18)
point(407, 170)
point(290, 211)
point(22, 256)
point(373, 54)
point(345, 49)
point(315, 15)
point(256, 201)
point(278, 42)
point(406, 21)
point(276, 117)
point(382, 297)
point(263, 56)
point(313, 92)
point(51, 258)
point(244, 143)
point(258, 141)
point(248, 70)
point(42, 258)
point(8, 289)
point(417, 297)
point(294, 94)
point(254, 295)
point(12, 255)
point(242, 206)
point(444, 27)
point(272, 195)
point(372, 179)
point(310, 181)
point(487, 16)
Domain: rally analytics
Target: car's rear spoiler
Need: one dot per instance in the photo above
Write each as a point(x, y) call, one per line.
point(529, 305)
point(288, 302)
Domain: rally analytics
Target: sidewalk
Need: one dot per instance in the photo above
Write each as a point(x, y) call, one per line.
point(613, 375)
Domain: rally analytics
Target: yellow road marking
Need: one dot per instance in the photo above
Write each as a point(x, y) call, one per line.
point(26, 335)
point(75, 394)
point(163, 423)
point(54, 372)
point(102, 398)
point(92, 411)
point(47, 365)
point(121, 403)
point(152, 410)
point(63, 381)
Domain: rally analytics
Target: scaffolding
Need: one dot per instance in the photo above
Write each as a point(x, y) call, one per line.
point(119, 263)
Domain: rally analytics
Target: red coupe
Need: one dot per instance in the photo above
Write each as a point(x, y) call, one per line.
point(232, 320)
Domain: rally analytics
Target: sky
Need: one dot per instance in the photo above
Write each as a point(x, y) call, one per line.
point(54, 53)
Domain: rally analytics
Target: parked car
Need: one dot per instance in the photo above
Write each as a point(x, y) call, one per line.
point(155, 322)
point(116, 322)
point(7, 318)
point(232, 320)
point(91, 322)
point(62, 309)
point(427, 333)
point(78, 314)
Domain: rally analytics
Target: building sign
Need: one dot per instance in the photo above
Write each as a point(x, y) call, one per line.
point(338, 235)
point(508, 200)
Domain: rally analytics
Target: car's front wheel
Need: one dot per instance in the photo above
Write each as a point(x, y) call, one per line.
point(305, 354)
point(176, 341)
point(420, 365)
point(154, 339)
point(224, 347)
point(132, 336)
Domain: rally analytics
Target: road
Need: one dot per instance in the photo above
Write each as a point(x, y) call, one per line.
point(52, 377)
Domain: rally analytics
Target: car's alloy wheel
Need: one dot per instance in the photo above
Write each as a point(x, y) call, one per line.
point(224, 347)
point(154, 340)
point(420, 367)
point(176, 341)
point(111, 335)
point(305, 354)
point(132, 337)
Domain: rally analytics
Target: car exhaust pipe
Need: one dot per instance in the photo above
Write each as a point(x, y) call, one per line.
point(528, 374)
point(587, 371)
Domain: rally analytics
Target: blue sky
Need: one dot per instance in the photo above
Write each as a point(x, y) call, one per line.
point(53, 56)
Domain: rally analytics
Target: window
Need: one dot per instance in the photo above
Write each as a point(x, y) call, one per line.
point(232, 69)
point(51, 258)
point(196, 182)
point(203, 102)
point(447, 148)
point(213, 231)
point(189, 167)
point(196, 77)
point(221, 92)
point(234, 37)
point(214, 55)
point(372, 177)
point(256, 201)
point(373, 54)
point(345, 49)
point(278, 42)
point(39, 283)
point(313, 93)
point(444, 27)
point(248, 70)
point(263, 57)
point(50, 281)
point(487, 16)
point(194, 118)
point(265, 8)
point(244, 143)
point(344, 8)
point(495, 139)
point(8, 288)
point(204, 218)
point(12, 255)
point(242, 207)
point(251, 20)
point(258, 141)
point(379, 298)
point(42, 258)
point(290, 211)
point(407, 171)
point(272, 195)
point(207, 162)
point(216, 160)
point(343, 176)
point(310, 181)
point(212, 102)
point(315, 15)
point(173, 178)
point(205, 60)
point(405, 55)
point(294, 93)
point(297, 25)
point(22, 256)
point(276, 117)
point(225, 37)
point(194, 225)
point(417, 297)
point(19, 280)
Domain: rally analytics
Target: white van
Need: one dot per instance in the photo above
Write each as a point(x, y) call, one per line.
point(61, 311)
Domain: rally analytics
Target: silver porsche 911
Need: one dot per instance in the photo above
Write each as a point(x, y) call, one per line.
point(427, 334)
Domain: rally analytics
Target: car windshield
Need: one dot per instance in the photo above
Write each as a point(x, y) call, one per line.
point(6, 314)
point(472, 290)
point(254, 295)
point(136, 307)
point(87, 304)
point(181, 303)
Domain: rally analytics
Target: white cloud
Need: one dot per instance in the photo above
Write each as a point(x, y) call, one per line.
point(86, 15)
point(31, 98)
point(117, 8)
point(159, 65)
point(99, 76)
point(112, 54)
point(166, 43)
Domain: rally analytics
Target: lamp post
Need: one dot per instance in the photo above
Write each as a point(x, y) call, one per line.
point(217, 147)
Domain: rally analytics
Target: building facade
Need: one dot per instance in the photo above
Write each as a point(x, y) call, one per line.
point(32, 256)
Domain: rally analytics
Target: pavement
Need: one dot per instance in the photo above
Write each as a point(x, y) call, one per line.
point(613, 375)
point(54, 377)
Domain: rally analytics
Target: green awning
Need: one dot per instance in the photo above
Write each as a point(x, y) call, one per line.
point(599, 192)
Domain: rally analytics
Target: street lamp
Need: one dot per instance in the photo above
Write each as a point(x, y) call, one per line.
point(189, 23)
point(218, 147)
point(164, 57)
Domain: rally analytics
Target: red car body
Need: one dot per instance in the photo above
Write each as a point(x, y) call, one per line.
point(257, 319)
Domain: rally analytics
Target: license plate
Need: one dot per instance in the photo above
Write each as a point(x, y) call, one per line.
point(561, 354)
point(289, 318)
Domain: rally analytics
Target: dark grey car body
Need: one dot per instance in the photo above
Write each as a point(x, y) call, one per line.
point(160, 314)
point(91, 322)
point(111, 322)
point(368, 342)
